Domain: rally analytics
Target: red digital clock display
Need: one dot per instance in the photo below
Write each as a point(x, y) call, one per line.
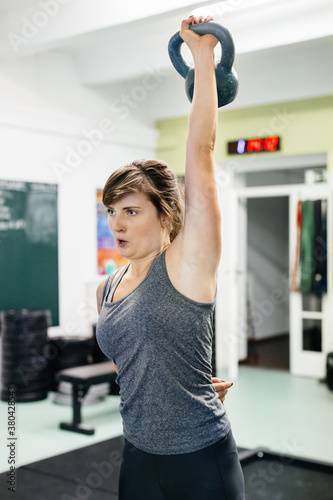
point(256, 145)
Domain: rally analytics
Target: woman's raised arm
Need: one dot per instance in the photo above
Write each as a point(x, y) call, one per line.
point(201, 235)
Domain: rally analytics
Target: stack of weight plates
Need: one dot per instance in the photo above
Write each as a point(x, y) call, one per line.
point(24, 364)
point(68, 352)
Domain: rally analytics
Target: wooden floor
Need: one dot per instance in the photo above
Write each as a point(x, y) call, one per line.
point(268, 353)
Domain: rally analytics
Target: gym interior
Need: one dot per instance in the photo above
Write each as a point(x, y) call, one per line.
point(87, 87)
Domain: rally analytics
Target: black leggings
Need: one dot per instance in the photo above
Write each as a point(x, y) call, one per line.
point(213, 473)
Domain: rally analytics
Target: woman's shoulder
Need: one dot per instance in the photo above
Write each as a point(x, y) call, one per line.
point(101, 286)
point(100, 289)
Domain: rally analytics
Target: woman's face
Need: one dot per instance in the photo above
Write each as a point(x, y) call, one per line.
point(137, 227)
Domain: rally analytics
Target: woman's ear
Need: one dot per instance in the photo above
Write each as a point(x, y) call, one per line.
point(165, 220)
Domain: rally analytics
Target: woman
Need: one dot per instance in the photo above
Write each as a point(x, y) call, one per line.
point(156, 314)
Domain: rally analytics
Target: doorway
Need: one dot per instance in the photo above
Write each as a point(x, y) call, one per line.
point(267, 287)
point(256, 299)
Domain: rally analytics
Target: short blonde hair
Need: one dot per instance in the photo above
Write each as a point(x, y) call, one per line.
point(155, 179)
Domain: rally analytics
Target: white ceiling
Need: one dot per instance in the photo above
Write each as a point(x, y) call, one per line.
point(111, 41)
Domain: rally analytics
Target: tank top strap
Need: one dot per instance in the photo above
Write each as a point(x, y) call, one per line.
point(110, 289)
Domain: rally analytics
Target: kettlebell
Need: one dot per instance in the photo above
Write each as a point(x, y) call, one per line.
point(226, 76)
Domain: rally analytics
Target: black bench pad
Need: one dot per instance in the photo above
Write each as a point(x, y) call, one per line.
point(94, 374)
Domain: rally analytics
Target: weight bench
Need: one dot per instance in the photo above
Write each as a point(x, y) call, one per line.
point(81, 378)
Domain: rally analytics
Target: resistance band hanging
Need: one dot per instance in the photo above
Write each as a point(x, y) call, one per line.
point(320, 254)
point(294, 287)
point(307, 247)
point(311, 248)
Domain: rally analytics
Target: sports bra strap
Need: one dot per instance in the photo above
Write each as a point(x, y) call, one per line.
point(114, 285)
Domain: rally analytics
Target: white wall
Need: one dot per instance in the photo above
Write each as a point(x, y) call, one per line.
point(49, 124)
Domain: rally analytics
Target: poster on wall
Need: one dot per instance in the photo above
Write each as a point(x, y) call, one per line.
point(108, 257)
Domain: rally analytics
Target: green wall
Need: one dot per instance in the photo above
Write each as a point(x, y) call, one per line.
point(305, 126)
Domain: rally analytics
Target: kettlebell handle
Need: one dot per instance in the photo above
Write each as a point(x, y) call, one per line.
point(220, 32)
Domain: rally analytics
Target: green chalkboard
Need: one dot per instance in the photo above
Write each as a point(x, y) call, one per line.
point(29, 247)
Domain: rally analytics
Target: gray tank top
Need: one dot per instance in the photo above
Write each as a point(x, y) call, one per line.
point(161, 342)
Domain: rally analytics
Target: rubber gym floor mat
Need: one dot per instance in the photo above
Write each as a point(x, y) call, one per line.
point(90, 473)
point(34, 485)
point(98, 464)
point(273, 476)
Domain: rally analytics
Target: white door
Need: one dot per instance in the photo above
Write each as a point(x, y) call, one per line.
point(303, 315)
point(309, 313)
